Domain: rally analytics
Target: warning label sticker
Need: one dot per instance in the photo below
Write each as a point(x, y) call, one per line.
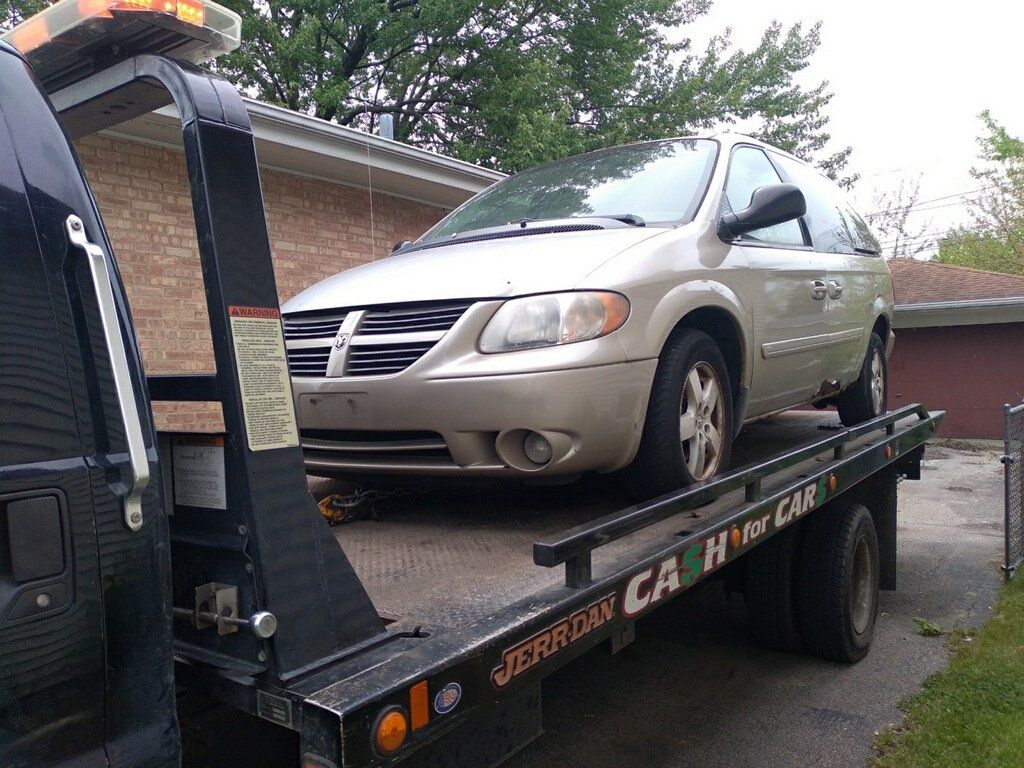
point(263, 377)
point(199, 479)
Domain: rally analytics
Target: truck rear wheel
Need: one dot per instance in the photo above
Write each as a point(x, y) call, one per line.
point(687, 434)
point(837, 588)
point(770, 592)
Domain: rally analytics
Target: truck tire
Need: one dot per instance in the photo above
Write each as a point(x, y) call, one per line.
point(837, 588)
point(770, 592)
point(688, 431)
point(868, 396)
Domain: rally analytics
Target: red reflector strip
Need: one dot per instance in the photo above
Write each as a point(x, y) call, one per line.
point(419, 705)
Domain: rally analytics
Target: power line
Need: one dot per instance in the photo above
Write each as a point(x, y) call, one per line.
point(918, 240)
point(931, 200)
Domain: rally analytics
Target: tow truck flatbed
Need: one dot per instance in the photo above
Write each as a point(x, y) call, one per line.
point(451, 557)
point(474, 606)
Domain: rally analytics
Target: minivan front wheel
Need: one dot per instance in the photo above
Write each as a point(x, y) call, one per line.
point(687, 435)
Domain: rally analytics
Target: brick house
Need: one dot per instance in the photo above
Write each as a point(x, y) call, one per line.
point(959, 344)
point(317, 178)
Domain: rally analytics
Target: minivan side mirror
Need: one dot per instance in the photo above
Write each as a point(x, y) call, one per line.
point(769, 205)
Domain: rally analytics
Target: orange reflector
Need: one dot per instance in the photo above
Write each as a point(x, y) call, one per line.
point(888, 451)
point(735, 538)
point(419, 705)
point(391, 731)
point(832, 483)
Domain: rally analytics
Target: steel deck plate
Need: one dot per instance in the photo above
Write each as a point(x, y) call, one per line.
point(446, 557)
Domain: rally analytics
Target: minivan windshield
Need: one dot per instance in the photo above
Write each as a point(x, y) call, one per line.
point(658, 182)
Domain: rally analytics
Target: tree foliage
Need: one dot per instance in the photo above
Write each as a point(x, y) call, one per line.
point(891, 220)
point(510, 83)
point(995, 239)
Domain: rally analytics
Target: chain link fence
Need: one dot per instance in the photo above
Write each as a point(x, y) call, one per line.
point(1013, 468)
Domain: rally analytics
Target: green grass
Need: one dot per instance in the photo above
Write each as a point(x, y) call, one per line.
point(971, 714)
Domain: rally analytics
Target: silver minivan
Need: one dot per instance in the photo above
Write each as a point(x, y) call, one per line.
point(627, 308)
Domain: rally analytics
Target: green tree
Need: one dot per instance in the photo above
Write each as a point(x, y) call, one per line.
point(510, 83)
point(995, 238)
point(16, 11)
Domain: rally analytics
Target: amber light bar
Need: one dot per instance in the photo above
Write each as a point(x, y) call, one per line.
point(74, 25)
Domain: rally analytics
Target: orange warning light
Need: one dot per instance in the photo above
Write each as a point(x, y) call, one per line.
point(392, 729)
point(735, 538)
point(30, 35)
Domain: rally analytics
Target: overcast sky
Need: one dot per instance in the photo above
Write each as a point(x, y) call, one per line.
point(909, 79)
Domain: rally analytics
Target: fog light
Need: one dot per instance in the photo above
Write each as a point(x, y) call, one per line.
point(537, 448)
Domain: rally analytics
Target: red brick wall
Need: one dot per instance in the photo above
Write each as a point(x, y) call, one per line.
point(969, 371)
point(316, 229)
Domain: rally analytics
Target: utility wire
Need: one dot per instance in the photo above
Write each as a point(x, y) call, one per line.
point(930, 200)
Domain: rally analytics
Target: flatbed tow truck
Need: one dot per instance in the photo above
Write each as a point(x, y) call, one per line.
point(134, 564)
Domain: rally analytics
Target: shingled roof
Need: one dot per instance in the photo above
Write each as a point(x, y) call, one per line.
point(925, 282)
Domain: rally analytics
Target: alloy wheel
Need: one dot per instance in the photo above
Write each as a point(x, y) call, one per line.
point(877, 383)
point(702, 421)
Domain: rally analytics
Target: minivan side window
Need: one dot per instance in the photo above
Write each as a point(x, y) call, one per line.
point(833, 224)
point(749, 169)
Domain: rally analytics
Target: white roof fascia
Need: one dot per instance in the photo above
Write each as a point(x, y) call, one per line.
point(940, 314)
point(296, 143)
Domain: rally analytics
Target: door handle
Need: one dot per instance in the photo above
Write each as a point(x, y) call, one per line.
point(835, 289)
point(818, 289)
point(119, 369)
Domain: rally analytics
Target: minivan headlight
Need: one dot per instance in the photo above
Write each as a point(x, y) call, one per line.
point(552, 319)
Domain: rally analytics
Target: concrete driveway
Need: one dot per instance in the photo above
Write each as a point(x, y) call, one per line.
point(694, 690)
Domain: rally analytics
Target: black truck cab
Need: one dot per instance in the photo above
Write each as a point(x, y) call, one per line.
point(82, 619)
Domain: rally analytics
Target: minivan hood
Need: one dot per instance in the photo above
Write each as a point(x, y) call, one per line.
point(490, 269)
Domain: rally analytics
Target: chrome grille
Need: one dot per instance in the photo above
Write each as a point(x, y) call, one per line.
point(440, 317)
point(311, 361)
point(382, 359)
point(318, 326)
point(385, 340)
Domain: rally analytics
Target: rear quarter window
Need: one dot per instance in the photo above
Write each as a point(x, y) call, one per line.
point(834, 226)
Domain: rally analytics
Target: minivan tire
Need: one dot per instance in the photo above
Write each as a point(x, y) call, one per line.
point(661, 463)
point(863, 401)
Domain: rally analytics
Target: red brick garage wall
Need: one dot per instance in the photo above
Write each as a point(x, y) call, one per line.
point(969, 371)
point(316, 230)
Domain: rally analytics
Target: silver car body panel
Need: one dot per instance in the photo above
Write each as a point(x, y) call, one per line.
point(589, 398)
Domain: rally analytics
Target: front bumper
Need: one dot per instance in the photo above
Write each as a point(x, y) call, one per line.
point(474, 425)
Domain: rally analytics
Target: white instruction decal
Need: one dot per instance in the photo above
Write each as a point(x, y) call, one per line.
point(199, 479)
point(263, 377)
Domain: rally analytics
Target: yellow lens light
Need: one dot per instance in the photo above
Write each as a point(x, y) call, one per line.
point(392, 728)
